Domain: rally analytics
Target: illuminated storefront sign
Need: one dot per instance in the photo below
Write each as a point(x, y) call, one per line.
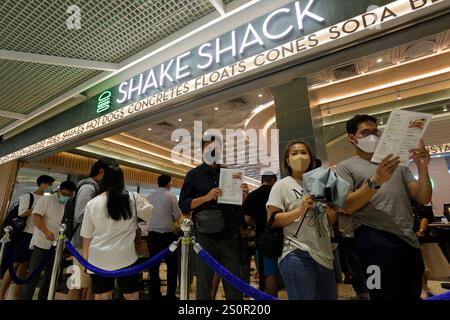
point(440, 149)
point(104, 102)
point(218, 61)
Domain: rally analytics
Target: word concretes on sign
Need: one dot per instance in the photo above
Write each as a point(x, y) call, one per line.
point(278, 54)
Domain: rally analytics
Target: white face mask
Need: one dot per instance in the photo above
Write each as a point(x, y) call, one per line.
point(299, 163)
point(368, 144)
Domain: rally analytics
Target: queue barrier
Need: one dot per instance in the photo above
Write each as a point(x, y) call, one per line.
point(186, 240)
point(443, 296)
point(230, 278)
point(31, 274)
point(150, 263)
point(6, 241)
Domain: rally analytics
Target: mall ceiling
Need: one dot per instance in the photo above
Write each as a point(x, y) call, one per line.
point(45, 58)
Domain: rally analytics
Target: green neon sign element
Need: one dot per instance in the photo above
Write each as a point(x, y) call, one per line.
point(104, 102)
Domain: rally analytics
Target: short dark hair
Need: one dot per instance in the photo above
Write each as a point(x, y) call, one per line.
point(102, 163)
point(269, 178)
point(164, 180)
point(68, 185)
point(352, 124)
point(44, 179)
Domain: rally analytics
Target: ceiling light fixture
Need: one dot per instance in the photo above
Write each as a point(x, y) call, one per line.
point(149, 129)
point(260, 95)
point(379, 60)
point(179, 120)
point(444, 108)
point(385, 86)
point(217, 109)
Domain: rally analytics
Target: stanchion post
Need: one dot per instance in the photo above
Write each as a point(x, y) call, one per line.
point(5, 239)
point(56, 262)
point(186, 227)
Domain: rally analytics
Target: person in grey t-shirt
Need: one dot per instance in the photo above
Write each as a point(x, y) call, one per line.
point(87, 189)
point(380, 205)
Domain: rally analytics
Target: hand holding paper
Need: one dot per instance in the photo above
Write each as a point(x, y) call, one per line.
point(420, 155)
point(401, 136)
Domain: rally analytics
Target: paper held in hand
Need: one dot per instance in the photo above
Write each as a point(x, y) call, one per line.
point(403, 132)
point(230, 181)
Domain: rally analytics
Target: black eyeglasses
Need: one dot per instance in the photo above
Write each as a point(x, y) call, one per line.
point(366, 132)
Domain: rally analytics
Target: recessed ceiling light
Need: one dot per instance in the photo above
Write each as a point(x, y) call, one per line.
point(179, 120)
point(260, 95)
point(217, 109)
point(444, 108)
point(149, 129)
point(399, 97)
point(379, 60)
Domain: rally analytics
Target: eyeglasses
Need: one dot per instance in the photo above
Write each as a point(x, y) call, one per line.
point(366, 132)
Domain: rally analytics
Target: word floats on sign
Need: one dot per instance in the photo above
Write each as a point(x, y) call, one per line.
point(217, 61)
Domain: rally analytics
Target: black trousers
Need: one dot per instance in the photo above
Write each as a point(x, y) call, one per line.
point(156, 243)
point(226, 252)
point(401, 265)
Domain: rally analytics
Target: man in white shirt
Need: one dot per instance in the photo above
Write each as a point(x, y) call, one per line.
point(22, 252)
point(47, 215)
point(161, 235)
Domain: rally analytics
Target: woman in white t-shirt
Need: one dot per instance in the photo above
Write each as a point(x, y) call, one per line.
point(306, 264)
point(109, 230)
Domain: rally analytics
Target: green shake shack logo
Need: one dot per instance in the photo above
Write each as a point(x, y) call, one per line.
point(104, 102)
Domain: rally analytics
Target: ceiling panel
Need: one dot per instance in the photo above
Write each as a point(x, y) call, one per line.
point(111, 30)
point(24, 85)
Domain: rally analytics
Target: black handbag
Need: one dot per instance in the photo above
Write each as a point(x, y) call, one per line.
point(270, 242)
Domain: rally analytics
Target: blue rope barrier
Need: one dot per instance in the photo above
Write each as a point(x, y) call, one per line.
point(122, 272)
point(232, 279)
point(443, 296)
point(31, 275)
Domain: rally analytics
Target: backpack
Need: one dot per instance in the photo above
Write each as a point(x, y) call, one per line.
point(14, 220)
point(69, 212)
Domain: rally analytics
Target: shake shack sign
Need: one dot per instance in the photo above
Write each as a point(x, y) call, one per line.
point(298, 29)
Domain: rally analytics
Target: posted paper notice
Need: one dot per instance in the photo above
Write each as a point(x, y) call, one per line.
point(230, 181)
point(403, 131)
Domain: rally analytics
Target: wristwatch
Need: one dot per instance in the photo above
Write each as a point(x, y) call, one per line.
point(372, 184)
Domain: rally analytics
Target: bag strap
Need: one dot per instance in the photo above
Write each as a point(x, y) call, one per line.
point(31, 200)
point(272, 219)
point(301, 223)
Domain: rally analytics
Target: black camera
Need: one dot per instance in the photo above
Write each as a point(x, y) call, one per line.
point(326, 198)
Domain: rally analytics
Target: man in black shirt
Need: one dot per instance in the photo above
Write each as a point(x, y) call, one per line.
point(215, 225)
point(255, 207)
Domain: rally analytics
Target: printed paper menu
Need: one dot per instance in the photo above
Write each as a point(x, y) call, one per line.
point(403, 131)
point(230, 181)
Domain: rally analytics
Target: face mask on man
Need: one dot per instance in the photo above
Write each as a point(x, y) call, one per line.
point(49, 189)
point(299, 163)
point(63, 199)
point(368, 144)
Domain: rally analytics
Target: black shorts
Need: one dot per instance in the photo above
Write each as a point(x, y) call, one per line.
point(129, 284)
point(21, 251)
